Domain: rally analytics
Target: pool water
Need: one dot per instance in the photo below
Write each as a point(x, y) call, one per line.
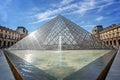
point(60, 64)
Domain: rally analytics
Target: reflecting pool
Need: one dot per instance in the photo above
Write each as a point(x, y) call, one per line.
point(60, 64)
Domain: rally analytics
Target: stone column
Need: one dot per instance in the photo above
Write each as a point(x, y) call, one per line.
point(117, 44)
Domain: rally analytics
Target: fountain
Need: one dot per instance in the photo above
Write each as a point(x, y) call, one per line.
point(60, 51)
point(60, 43)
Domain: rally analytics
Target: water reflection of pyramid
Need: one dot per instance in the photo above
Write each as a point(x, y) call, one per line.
point(47, 37)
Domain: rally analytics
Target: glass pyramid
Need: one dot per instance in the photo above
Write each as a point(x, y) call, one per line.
point(55, 51)
point(59, 33)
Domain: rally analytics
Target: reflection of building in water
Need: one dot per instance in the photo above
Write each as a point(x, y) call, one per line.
point(110, 35)
point(8, 36)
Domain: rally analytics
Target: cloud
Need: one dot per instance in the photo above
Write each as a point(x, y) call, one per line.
point(62, 3)
point(65, 2)
point(3, 6)
point(105, 5)
point(50, 13)
point(85, 5)
point(67, 7)
point(88, 5)
point(99, 18)
point(89, 27)
point(41, 20)
point(4, 3)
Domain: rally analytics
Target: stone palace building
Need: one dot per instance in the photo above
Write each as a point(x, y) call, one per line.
point(8, 37)
point(109, 35)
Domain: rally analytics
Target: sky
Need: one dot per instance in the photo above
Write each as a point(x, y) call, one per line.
point(32, 14)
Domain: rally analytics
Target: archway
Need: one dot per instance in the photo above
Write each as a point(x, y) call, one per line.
point(114, 42)
point(12, 43)
point(0, 44)
point(8, 44)
point(107, 42)
point(110, 42)
point(4, 44)
point(119, 41)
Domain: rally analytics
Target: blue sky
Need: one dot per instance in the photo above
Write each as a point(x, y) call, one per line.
point(34, 13)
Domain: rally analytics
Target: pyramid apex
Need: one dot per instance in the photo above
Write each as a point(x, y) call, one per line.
point(59, 15)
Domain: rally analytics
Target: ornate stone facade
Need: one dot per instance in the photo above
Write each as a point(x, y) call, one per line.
point(8, 37)
point(110, 35)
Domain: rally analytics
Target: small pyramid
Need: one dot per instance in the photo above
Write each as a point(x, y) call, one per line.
point(59, 32)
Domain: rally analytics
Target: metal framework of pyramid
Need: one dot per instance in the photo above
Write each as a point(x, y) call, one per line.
point(59, 31)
